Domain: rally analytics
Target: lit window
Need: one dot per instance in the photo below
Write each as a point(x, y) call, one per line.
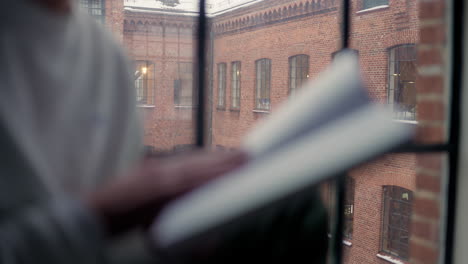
point(366, 4)
point(402, 79)
point(235, 84)
point(262, 84)
point(144, 82)
point(94, 7)
point(298, 72)
point(183, 86)
point(221, 85)
point(398, 203)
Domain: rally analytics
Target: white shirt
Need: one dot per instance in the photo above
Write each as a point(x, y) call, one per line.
point(67, 96)
point(67, 123)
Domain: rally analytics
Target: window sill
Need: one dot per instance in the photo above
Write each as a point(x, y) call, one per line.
point(219, 108)
point(346, 242)
point(185, 107)
point(145, 106)
point(410, 122)
point(234, 109)
point(390, 259)
point(375, 8)
point(261, 111)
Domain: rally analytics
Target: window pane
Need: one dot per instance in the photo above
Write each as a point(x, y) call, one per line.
point(390, 198)
point(251, 31)
point(298, 72)
point(402, 88)
point(221, 85)
point(405, 69)
point(397, 212)
point(93, 7)
point(144, 82)
point(400, 68)
point(235, 84)
point(366, 4)
point(158, 36)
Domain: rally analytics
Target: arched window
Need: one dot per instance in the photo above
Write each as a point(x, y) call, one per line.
point(402, 81)
point(397, 208)
point(298, 72)
point(95, 8)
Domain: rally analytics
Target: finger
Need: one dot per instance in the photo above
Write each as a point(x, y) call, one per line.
point(212, 165)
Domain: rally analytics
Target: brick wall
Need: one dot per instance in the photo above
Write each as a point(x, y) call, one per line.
point(432, 100)
point(313, 32)
point(114, 17)
point(166, 41)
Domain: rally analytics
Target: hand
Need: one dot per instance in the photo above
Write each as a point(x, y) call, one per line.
point(136, 199)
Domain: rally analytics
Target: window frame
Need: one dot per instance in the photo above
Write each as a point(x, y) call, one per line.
point(386, 214)
point(303, 79)
point(362, 4)
point(90, 9)
point(348, 224)
point(265, 84)
point(222, 82)
point(179, 82)
point(149, 84)
point(390, 80)
point(237, 82)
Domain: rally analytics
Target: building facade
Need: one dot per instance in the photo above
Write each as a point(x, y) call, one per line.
point(261, 52)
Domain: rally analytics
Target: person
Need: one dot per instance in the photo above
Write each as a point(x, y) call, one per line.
point(68, 126)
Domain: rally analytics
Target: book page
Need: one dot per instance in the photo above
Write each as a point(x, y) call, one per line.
point(336, 92)
point(299, 165)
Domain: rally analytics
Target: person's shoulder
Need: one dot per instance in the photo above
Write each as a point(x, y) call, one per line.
point(98, 35)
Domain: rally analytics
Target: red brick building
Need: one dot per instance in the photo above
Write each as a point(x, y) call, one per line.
point(261, 51)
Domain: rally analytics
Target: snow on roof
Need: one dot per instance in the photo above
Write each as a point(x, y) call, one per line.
point(185, 7)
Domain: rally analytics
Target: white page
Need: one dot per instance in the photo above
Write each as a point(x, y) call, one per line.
point(353, 139)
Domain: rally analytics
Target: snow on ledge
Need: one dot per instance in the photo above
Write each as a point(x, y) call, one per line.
point(347, 243)
point(145, 106)
point(161, 11)
point(186, 7)
point(390, 259)
point(413, 122)
point(372, 9)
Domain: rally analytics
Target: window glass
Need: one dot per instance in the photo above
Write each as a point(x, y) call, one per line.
point(396, 231)
point(221, 85)
point(348, 208)
point(94, 7)
point(402, 81)
point(366, 4)
point(159, 36)
point(275, 46)
point(298, 72)
point(262, 89)
point(235, 84)
point(144, 82)
point(183, 85)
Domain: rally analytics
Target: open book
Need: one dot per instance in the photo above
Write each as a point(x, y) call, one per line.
point(330, 126)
